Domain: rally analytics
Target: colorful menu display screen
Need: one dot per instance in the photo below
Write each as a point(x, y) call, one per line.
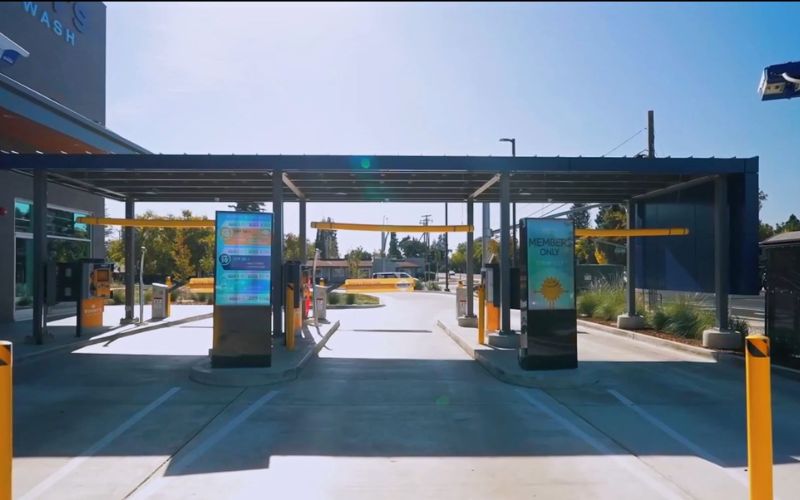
point(242, 274)
point(551, 268)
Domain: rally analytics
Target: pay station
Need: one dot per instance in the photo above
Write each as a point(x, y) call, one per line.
point(242, 290)
point(87, 282)
point(549, 336)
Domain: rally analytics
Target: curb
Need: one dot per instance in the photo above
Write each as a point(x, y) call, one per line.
point(116, 336)
point(649, 339)
point(546, 379)
point(202, 373)
point(719, 356)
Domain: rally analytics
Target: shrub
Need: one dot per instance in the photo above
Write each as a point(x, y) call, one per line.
point(587, 303)
point(611, 303)
point(334, 298)
point(366, 299)
point(350, 299)
point(739, 325)
point(657, 319)
point(418, 285)
point(432, 285)
point(118, 296)
point(687, 319)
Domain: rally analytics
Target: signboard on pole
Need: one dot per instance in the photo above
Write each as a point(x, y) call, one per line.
point(549, 331)
point(242, 285)
point(242, 269)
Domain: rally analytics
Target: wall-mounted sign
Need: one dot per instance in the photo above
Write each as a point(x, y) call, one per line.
point(550, 264)
point(242, 275)
point(59, 51)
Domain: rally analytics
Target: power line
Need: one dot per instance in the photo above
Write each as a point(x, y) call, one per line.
point(626, 141)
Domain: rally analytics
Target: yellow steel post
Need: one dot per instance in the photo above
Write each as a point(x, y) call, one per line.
point(169, 295)
point(759, 417)
point(481, 315)
point(289, 310)
point(6, 415)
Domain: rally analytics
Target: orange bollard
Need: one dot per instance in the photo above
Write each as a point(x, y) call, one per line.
point(492, 317)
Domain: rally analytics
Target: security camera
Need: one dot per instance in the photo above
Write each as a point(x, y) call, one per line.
point(780, 81)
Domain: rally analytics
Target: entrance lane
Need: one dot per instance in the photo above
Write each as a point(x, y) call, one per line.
point(399, 414)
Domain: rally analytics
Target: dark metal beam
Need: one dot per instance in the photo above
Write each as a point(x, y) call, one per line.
point(505, 257)
point(276, 271)
point(130, 261)
point(721, 244)
point(39, 254)
point(470, 270)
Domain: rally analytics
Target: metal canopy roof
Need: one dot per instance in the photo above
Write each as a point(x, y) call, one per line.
point(228, 178)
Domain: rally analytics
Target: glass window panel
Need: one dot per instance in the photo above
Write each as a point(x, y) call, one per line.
point(67, 250)
point(22, 217)
point(23, 289)
point(59, 222)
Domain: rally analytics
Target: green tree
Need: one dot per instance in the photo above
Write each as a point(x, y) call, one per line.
point(791, 224)
point(182, 256)
point(412, 248)
point(170, 251)
point(580, 218)
point(291, 248)
point(765, 231)
point(585, 251)
point(327, 243)
point(248, 206)
point(610, 217)
point(394, 250)
point(354, 258)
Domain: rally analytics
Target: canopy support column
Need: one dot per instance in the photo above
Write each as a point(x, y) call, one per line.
point(276, 270)
point(39, 254)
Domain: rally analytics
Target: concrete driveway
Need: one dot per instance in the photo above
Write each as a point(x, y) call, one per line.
point(392, 408)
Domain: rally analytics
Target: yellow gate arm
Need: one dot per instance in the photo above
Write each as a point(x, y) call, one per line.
point(107, 221)
point(389, 228)
point(631, 233)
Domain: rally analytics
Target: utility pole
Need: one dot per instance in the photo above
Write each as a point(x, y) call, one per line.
point(651, 135)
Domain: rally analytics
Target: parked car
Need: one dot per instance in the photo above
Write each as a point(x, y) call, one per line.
point(394, 274)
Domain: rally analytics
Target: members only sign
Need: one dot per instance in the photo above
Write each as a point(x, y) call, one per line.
point(551, 267)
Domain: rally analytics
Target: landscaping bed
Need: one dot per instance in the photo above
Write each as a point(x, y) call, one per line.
point(681, 320)
point(342, 300)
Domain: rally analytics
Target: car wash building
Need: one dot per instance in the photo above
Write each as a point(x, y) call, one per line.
point(52, 100)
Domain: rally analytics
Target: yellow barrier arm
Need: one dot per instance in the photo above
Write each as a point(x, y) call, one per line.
point(108, 221)
point(630, 233)
point(389, 228)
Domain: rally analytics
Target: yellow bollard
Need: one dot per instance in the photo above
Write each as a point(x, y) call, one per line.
point(759, 417)
point(169, 294)
point(6, 415)
point(481, 315)
point(289, 309)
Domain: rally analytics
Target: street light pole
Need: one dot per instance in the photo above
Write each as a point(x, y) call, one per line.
point(446, 257)
point(513, 142)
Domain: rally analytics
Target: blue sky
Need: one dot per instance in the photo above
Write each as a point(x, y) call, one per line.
point(564, 79)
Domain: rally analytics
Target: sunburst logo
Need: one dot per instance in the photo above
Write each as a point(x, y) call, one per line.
point(551, 290)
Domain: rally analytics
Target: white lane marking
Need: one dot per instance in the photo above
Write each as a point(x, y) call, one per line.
point(634, 468)
point(184, 462)
point(99, 445)
point(669, 431)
